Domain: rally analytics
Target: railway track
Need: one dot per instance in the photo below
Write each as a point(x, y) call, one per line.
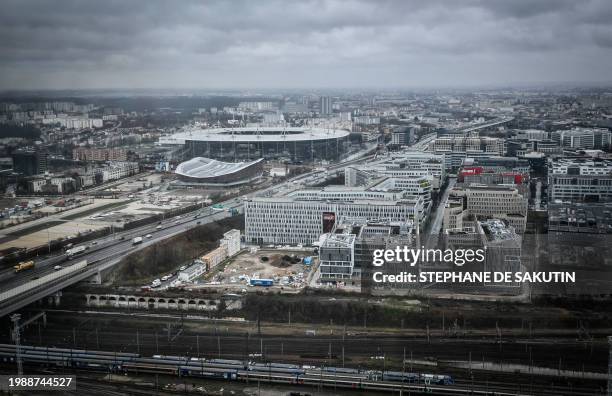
point(275, 373)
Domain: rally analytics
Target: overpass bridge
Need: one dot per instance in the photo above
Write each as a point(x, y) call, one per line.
point(21, 290)
point(489, 124)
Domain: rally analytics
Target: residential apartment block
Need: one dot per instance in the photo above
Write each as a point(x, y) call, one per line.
point(99, 154)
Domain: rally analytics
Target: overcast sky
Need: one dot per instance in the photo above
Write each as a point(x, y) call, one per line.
point(303, 44)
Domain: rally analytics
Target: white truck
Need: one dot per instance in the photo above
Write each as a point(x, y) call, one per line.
point(136, 240)
point(75, 250)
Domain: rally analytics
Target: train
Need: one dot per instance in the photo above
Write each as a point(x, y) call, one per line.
point(24, 265)
point(225, 369)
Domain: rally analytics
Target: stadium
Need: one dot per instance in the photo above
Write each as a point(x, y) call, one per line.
point(209, 172)
point(246, 144)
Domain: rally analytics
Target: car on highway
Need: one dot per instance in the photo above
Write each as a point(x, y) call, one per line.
point(57, 267)
point(159, 227)
point(183, 268)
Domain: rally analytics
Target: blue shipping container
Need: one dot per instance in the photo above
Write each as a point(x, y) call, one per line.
point(262, 282)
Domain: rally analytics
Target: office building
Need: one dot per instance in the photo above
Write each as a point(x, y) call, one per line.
point(579, 179)
point(366, 120)
point(583, 138)
point(400, 165)
point(258, 106)
point(500, 202)
point(336, 256)
point(499, 164)
point(192, 272)
point(417, 183)
point(502, 245)
point(346, 253)
point(456, 148)
point(29, 161)
point(486, 201)
point(502, 248)
point(532, 134)
point(304, 215)
point(455, 213)
point(116, 171)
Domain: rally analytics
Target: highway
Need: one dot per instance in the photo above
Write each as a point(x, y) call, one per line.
point(120, 242)
point(488, 124)
point(422, 144)
point(107, 251)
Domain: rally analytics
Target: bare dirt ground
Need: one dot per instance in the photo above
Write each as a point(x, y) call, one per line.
point(285, 266)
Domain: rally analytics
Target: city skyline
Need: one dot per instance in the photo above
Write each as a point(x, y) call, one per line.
point(315, 44)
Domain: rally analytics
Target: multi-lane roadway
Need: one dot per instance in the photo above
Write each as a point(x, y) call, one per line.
point(107, 251)
point(101, 254)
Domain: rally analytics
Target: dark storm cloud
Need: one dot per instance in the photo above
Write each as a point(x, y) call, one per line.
point(200, 44)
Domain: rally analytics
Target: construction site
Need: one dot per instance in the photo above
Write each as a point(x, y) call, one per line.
point(274, 269)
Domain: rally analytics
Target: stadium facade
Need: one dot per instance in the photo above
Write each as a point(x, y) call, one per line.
point(207, 172)
point(247, 144)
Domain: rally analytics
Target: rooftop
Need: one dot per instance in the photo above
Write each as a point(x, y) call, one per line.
point(262, 134)
point(205, 167)
point(497, 230)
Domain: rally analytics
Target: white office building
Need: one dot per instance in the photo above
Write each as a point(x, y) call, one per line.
point(302, 217)
point(498, 201)
point(579, 179)
point(231, 242)
point(583, 138)
point(192, 272)
point(117, 170)
point(405, 164)
point(532, 134)
point(336, 256)
point(456, 148)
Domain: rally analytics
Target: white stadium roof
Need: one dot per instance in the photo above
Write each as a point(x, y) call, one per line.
point(200, 167)
point(268, 134)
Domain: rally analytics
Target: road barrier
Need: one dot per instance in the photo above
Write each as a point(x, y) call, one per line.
point(42, 280)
